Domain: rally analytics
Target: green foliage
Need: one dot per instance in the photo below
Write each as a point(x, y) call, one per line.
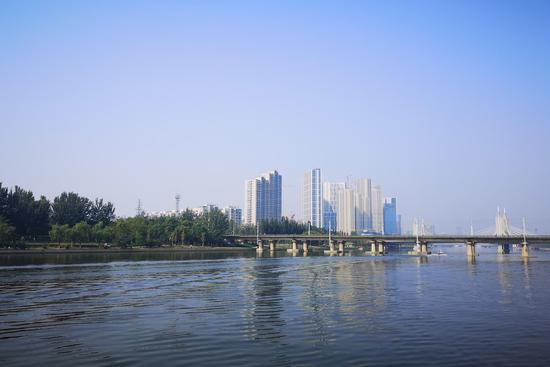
point(77, 219)
point(29, 217)
point(101, 212)
point(123, 232)
point(3, 201)
point(81, 232)
point(247, 229)
point(286, 226)
point(40, 220)
point(70, 208)
point(61, 233)
point(7, 232)
point(97, 233)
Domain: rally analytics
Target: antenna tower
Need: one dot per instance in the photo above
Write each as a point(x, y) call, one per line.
point(178, 203)
point(139, 209)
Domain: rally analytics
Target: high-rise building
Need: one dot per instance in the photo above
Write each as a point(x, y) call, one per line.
point(313, 198)
point(377, 210)
point(263, 198)
point(363, 211)
point(273, 199)
point(251, 196)
point(398, 223)
point(234, 215)
point(345, 211)
point(390, 216)
point(330, 200)
point(204, 209)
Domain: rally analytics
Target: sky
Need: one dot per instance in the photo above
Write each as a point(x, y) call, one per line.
point(445, 104)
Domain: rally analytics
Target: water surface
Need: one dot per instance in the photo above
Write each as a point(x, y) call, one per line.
point(236, 309)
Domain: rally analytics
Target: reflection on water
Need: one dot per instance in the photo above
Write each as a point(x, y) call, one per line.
point(274, 309)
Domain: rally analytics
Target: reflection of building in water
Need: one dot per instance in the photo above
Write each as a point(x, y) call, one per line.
point(343, 276)
point(361, 290)
point(314, 299)
point(263, 303)
point(264, 309)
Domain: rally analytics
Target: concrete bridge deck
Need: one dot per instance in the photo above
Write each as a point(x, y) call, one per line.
point(531, 239)
point(378, 242)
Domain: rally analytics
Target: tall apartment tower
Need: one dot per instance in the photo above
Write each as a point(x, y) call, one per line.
point(251, 196)
point(363, 205)
point(330, 202)
point(390, 216)
point(345, 211)
point(263, 198)
point(377, 210)
point(313, 198)
point(234, 215)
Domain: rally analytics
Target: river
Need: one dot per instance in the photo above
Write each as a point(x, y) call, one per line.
point(237, 309)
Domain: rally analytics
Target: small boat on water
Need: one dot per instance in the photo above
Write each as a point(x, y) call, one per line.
point(439, 253)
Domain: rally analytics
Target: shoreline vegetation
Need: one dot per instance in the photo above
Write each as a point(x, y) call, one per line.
point(37, 250)
point(72, 221)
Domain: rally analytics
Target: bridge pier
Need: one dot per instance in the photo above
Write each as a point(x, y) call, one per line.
point(503, 248)
point(331, 249)
point(424, 248)
point(470, 249)
point(381, 248)
point(294, 247)
point(341, 247)
point(524, 249)
point(373, 248)
point(271, 246)
point(305, 247)
point(260, 247)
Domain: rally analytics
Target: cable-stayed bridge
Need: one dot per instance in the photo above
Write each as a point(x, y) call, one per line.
point(502, 227)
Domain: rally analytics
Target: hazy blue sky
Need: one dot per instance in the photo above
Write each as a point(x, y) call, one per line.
point(446, 104)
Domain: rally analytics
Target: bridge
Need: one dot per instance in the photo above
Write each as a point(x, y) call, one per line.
point(503, 235)
point(378, 243)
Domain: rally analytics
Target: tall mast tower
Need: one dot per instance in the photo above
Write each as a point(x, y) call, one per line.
point(178, 203)
point(139, 209)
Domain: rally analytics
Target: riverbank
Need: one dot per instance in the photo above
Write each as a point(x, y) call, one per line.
point(119, 250)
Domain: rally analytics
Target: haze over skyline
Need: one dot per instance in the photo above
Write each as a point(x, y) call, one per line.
point(445, 105)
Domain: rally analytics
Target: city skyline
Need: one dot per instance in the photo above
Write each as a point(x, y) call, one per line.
point(275, 183)
point(446, 110)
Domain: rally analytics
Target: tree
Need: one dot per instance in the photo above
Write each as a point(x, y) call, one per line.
point(40, 222)
point(109, 233)
point(211, 227)
point(81, 232)
point(97, 232)
point(70, 208)
point(101, 212)
point(60, 233)
point(20, 209)
point(247, 229)
point(3, 201)
point(56, 233)
point(7, 232)
point(123, 232)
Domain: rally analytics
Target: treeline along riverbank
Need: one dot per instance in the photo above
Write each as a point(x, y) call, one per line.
point(71, 219)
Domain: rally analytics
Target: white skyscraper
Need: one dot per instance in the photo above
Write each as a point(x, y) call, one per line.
point(313, 198)
point(363, 204)
point(377, 210)
point(250, 201)
point(345, 211)
point(263, 198)
point(330, 200)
